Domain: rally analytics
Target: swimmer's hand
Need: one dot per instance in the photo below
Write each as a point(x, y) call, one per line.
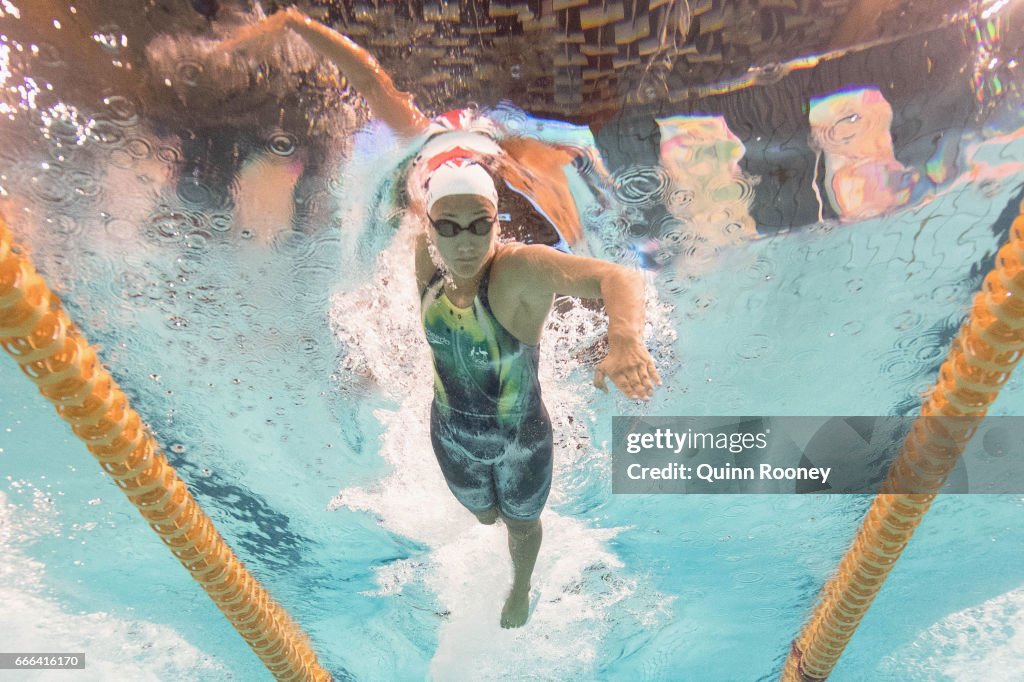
point(631, 368)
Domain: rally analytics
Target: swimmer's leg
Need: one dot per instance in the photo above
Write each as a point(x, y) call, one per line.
point(470, 481)
point(524, 538)
point(488, 516)
point(523, 481)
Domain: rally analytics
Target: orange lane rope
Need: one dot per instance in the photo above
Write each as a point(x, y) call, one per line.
point(52, 352)
point(988, 347)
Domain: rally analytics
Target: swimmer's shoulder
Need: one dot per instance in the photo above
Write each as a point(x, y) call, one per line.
point(512, 271)
point(513, 256)
point(506, 257)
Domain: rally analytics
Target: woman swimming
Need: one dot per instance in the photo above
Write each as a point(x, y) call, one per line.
point(484, 304)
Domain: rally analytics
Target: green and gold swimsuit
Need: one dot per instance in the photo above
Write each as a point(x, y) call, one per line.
point(489, 428)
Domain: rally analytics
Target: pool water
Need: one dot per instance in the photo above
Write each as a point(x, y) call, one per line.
point(292, 395)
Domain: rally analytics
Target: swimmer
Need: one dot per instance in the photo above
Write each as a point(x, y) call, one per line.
point(483, 307)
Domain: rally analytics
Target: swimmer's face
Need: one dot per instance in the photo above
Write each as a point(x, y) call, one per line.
point(465, 253)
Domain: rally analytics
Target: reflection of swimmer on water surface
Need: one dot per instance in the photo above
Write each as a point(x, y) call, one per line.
point(143, 83)
point(529, 168)
point(484, 302)
point(863, 178)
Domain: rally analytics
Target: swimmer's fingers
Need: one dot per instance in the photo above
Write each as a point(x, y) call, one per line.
point(631, 377)
point(630, 383)
point(649, 375)
point(652, 371)
point(646, 380)
point(643, 376)
point(628, 386)
point(644, 385)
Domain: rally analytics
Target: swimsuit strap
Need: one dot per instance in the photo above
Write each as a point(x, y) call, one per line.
point(481, 291)
point(433, 279)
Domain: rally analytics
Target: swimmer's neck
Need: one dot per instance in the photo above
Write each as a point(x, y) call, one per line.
point(461, 290)
point(460, 285)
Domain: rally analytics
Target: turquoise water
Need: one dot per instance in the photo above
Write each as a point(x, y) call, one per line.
point(292, 397)
point(323, 482)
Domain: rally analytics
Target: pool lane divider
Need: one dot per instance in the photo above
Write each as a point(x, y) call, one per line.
point(988, 346)
point(52, 351)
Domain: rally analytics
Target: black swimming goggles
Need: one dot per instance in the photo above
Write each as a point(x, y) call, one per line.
point(450, 228)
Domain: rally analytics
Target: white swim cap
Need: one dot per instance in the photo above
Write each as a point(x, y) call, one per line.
point(452, 163)
point(460, 175)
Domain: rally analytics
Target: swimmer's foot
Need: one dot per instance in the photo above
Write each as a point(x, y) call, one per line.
point(517, 609)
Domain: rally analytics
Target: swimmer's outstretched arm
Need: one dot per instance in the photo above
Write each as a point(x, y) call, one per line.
point(391, 105)
point(541, 272)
